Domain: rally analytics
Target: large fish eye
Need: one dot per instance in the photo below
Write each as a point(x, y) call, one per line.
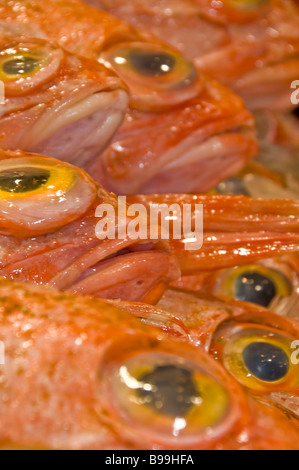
point(258, 357)
point(154, 391)
point(157, 76)
point(23, 66)
point(170, 394)
point(38, 194)
point(254, 283)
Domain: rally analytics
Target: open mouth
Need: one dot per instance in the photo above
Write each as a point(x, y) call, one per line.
point(79, 132)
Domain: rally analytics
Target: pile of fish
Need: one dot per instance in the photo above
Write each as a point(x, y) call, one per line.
point(137, 342)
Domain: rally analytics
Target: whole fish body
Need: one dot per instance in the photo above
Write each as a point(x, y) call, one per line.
point(202, 131)
point(49, 233)
point(252, 47)
point(77, 373)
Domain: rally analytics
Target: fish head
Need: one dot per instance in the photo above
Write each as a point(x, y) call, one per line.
point(249, 45)
point(257, 347)
point(50, 213)
point(57, 103)
point(183, 112)
point(261, 50)
point(87, 375)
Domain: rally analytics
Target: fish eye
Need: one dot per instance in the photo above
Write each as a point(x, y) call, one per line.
point(258, 357)
point(156, 75)
point(167, 395)
point(23, 66)
point(256, 283)
point(38, 194)
point(176, 398)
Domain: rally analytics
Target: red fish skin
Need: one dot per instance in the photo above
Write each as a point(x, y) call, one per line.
point(57, 348)
point(36, 116)
point(254, 51)
point(196, 120)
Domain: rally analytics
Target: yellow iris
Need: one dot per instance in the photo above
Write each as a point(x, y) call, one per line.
point(173, 397)
point(32, 179)
point(21, 63)
point(254, 283)
point(152, 65)
point(258, 357)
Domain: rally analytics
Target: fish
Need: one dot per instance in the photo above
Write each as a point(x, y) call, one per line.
point(183, 132)
point(87, 375)
point(49, 234)
point(55, 102)
point(250, 46)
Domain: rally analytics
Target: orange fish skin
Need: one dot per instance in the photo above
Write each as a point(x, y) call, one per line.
point(50, 238)
point(195, 123)
point(253, 50)
point(53, 109)
point(58, 350)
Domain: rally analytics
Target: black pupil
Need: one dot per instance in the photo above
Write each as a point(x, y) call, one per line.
point(152, 64)
point(20, 66)
point(266, 361)
point(256, 288)
point(22, 180)
point(173, 390)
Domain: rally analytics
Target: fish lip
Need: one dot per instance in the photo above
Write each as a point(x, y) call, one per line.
point(101, 111)
point(177, 157)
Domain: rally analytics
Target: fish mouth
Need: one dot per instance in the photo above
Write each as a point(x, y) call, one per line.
point(269, 87)
point(197, 164)
point(203, 165)
point(77, 132)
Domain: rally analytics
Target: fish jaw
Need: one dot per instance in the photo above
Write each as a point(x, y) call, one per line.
point(213, 130)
